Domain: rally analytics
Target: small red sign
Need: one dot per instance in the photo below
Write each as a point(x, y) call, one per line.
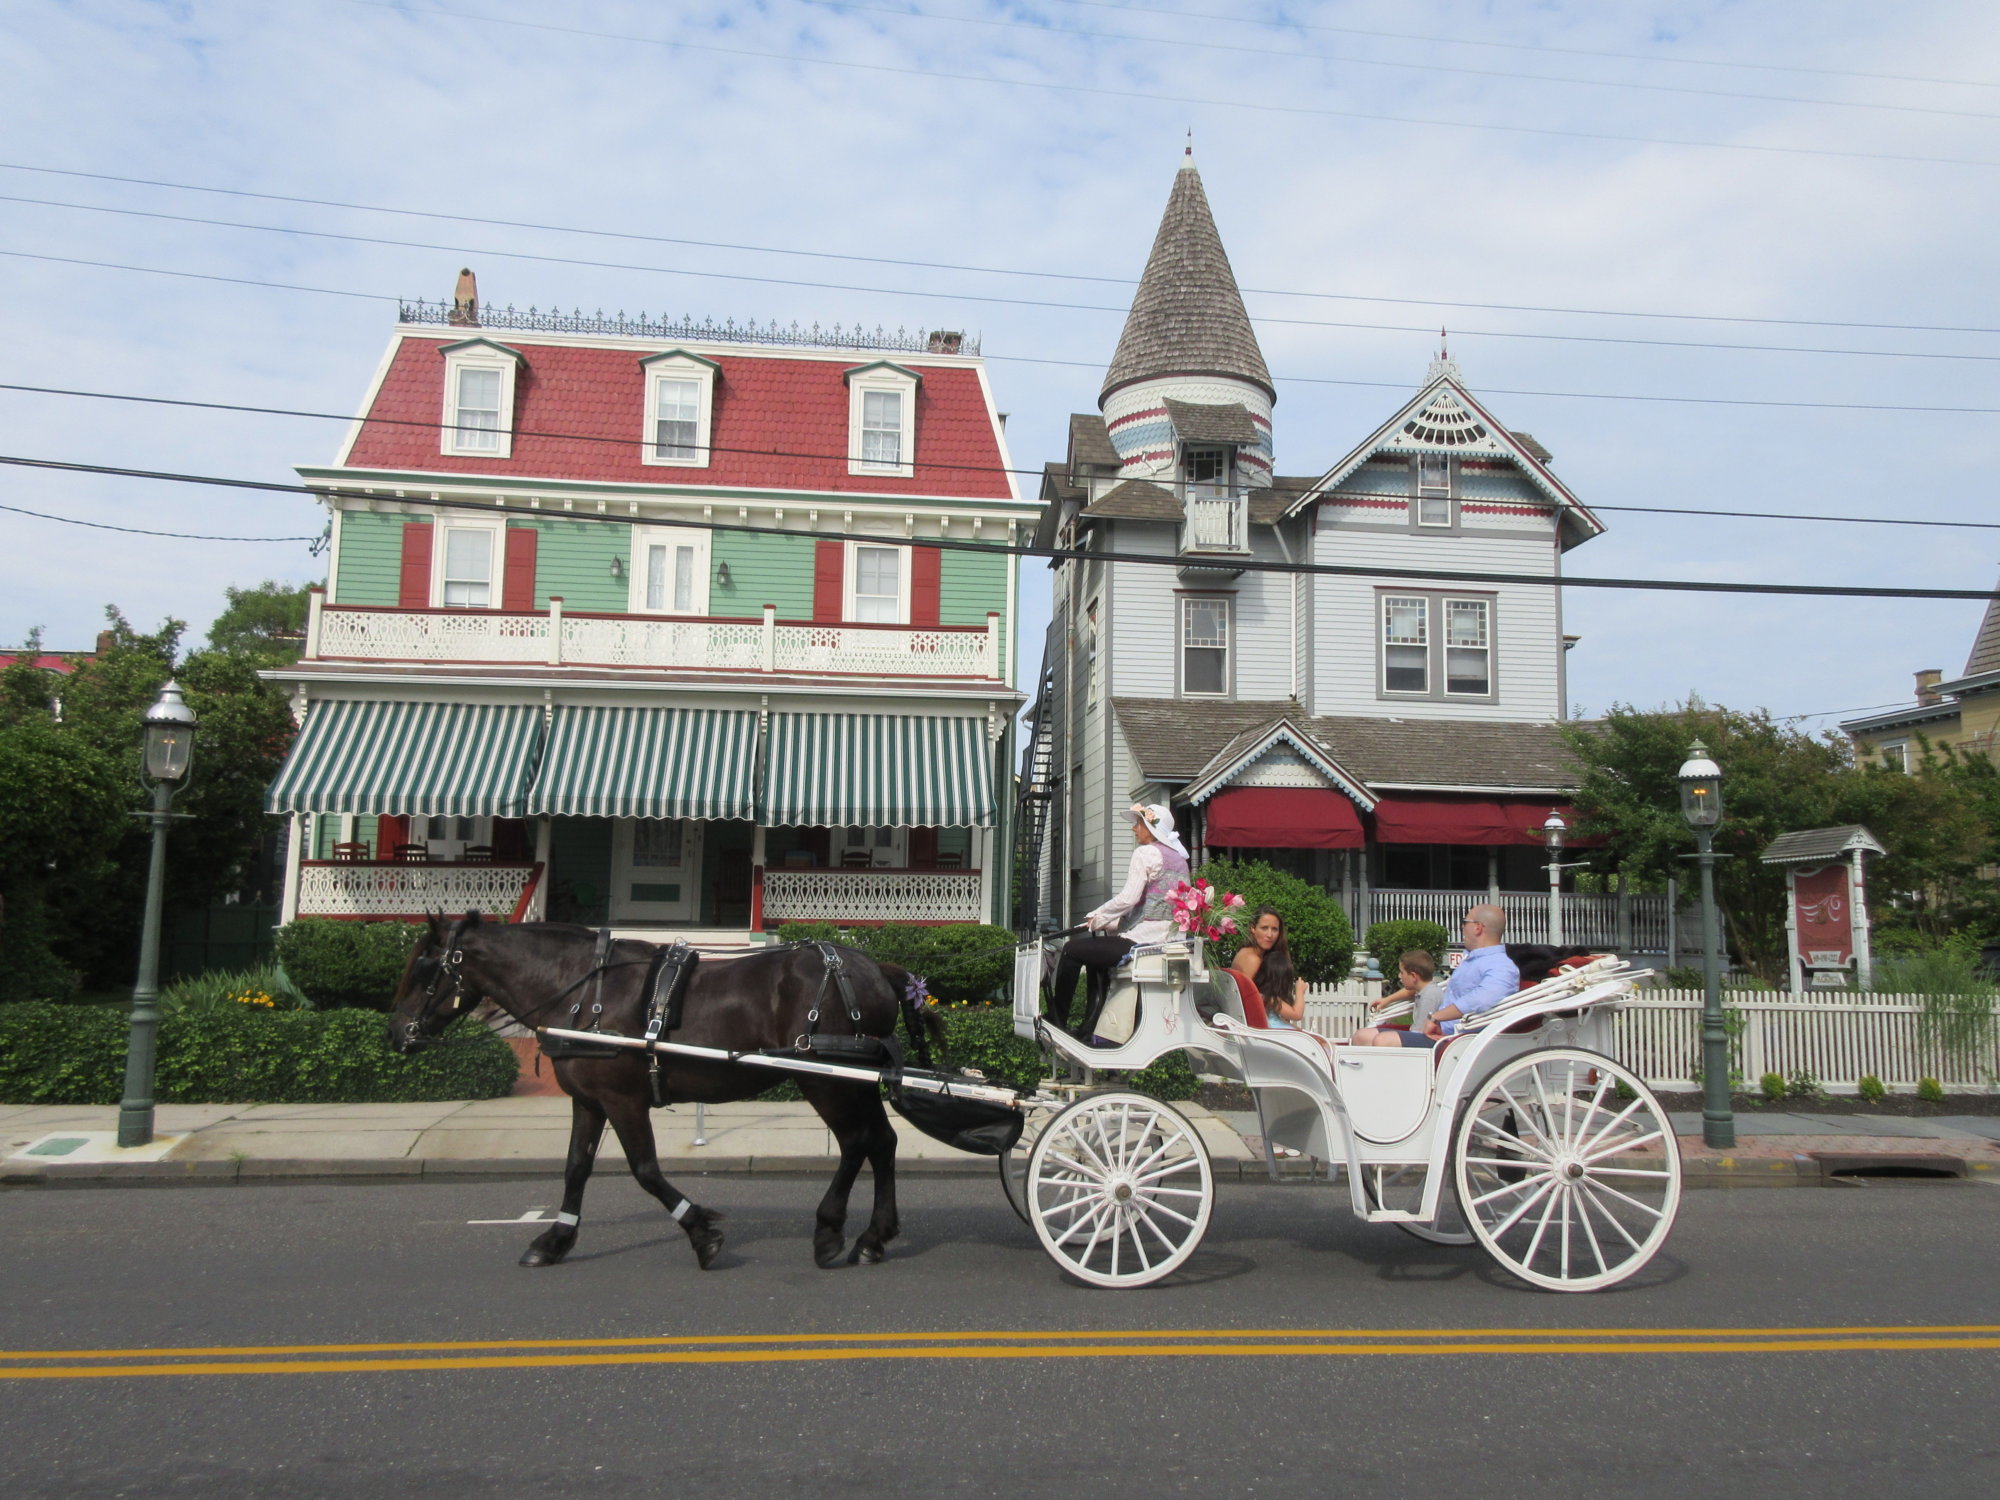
point(1825, 916)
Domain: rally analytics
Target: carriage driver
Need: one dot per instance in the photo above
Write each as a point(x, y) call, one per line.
point(1484, 978)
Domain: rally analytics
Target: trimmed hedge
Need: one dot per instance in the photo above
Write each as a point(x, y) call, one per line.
point(964, 963)
point(336, 964)
point(70, 1054)
point(1389, 941)
point(1316, 929)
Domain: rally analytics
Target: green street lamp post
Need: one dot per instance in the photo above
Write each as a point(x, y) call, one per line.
point(1701, 806)
point(170, 726)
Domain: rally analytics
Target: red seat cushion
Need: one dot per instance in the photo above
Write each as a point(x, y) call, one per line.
point(1253, 1003)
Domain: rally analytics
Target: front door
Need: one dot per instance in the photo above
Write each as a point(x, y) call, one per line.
point(655, 870)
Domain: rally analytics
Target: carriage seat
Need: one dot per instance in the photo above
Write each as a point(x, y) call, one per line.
point(1254, 1014)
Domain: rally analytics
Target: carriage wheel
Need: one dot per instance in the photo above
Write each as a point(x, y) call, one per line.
point(1403, 1187)
point(1119, 1189)
point(1567, 1169)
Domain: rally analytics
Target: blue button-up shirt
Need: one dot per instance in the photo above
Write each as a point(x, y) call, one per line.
point(1484, 978)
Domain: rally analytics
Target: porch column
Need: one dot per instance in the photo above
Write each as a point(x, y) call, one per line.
point(1363, 903)
point(982, 850)
point(757, 847)
point(1493, 876)
point(288, 906)
point(1624, 914)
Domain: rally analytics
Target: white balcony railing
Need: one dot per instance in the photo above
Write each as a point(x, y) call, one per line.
point(1217, 521)
point(1588, 920)
point(872, 896)
point(336, 888)
point(343, 632)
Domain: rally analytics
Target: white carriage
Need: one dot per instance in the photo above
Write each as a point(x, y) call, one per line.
point(1519, 1134)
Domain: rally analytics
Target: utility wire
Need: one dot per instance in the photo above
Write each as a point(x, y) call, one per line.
point(329, 490)
point(467, 251)
point(1321, 112)
point(627, 442)
point(934, 265)
point(1098, 365)
point(1460, 41)
point(847, 7)
point(186, 536)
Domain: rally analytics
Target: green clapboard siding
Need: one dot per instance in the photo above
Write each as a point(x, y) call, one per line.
point(371, 557)
point(580, 869)
point(762, 570)
point(573, 558)
point(970, 584)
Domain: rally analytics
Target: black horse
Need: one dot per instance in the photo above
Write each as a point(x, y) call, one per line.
point(538, 971)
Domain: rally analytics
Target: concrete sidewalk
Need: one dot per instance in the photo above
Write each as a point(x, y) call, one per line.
point(55, 1145)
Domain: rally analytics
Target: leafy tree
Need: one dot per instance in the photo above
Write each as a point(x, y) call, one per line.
point(62, 807)
point(266, 624)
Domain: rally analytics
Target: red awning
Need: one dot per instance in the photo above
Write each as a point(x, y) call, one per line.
point(1258, 817)
point(1467, 820)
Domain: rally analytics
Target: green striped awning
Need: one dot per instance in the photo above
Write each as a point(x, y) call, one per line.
point(829, 769)
point(465, 760)
point(648, 763)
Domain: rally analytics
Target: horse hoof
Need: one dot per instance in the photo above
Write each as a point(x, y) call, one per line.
point(536, 1258)
point(867, 1255)
point(828, 1260)
point(707, 1251)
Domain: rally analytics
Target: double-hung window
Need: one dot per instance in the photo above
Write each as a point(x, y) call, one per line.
point(1204, 647)
point(467, 567)
point(680, 395)
point(1433, 489)
point(1406, 644)
point(879, 593)
point(479, 399)
point(881, 419)
point(1437, 646)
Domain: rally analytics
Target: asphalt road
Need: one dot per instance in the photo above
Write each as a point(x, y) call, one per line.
point(1524, 1406)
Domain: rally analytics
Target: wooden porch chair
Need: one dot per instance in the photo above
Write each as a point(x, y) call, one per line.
point(351, 853)
point(412, 854)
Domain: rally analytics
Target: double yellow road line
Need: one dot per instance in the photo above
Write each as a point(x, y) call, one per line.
point(775, 1348)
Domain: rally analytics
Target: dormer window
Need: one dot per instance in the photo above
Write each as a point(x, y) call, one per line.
point(881, 419)
point(1207, 473)
point(479, 399)
point(1433, 489)
point(680, 397)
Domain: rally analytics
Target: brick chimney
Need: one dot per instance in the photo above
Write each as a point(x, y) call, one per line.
point(465, 301)
point(1927, 681)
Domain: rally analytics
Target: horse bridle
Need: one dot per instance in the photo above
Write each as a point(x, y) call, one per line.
point(451, 966)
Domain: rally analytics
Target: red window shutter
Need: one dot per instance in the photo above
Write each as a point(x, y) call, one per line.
point(926, 565)
point(923, 848)
point(829, 580)
point(517, 586)
point(414, 589)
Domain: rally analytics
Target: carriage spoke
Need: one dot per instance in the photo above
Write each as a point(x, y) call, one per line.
point(1172, 1213)
point(1589, 1232)
point(1171, 1192)
point(1158, 1233)
point(1619, 1119)
point(1480, 1122)
point(1645, 1208)
point(1167, 1143)
point(1567, 1195)
point(1630, 1172)
point(1623, 1146)
point(1512, 1187)
point(1547, 1185)
point(1162, 1173)
point(1555, 1137)
point(1542, 1227)
point(1610, 1218)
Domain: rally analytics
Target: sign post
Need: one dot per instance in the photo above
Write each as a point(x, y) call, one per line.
point(1826, 910)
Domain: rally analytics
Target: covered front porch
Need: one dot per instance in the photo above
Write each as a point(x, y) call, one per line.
point(646, 820)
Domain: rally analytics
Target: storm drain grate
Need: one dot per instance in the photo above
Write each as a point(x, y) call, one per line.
point(1918, 1167)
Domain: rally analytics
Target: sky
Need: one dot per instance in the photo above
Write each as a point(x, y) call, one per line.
point(1604, 202)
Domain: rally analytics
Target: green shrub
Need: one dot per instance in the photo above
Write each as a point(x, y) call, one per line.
point(336, 964)
point(1804, 1084)
point(1871, 1089)
point(219, 989)
point(1772, 1087)
point(1389, 941)
point(1316, 929)
point(964, 962)
point(1930, 1091)
point(59, 1054)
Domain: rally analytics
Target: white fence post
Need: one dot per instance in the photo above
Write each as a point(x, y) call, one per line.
point(770, 638)
point(315, 602)
point(555, 630)
point(993, 643)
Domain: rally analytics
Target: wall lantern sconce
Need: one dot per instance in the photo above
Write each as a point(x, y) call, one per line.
point(722, 574)
point(618, 568)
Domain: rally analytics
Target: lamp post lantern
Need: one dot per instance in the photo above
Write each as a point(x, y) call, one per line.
point(1552, 835)
point(1701, 807)
point(170, 727)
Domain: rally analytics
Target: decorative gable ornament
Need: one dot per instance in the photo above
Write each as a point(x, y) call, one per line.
point(1445, 423)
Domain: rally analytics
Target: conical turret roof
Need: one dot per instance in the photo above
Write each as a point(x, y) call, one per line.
point(1187, 317)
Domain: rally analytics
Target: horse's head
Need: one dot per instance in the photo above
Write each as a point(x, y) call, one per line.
point(434, 991)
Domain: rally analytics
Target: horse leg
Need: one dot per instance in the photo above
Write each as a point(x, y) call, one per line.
point(632, 1119)
point(883, 1225)
point(586, 1129)
point(835, 1103)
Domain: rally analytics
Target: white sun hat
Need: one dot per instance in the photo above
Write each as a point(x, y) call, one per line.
point(1159, 819)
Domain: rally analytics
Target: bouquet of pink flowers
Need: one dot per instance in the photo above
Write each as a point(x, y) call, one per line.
point(1200, 910)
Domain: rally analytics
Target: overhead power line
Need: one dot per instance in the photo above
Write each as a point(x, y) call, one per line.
point(473, 251)
point(1288, 25)
point(186, 536)
point(330, 491)
point(1034, 473)
point(1098, 365)
point(1299, 110)
point(1429, 65)
point(936, 265)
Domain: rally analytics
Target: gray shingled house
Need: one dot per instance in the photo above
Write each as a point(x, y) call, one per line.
point(1388, 735)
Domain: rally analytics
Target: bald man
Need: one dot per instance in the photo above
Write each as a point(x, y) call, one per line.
point(1484, 978)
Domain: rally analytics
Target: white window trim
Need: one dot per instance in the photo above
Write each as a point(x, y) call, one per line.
point(670, 536)
point(497, 584)
point(1181, 647)
point(851, 574)
point(1437, 620)
point(1448, 494)
point(882, 377)
point(1901, 748)
point(1382, 603)
point(1445, 648)
point(678, 365)
point(478, 355)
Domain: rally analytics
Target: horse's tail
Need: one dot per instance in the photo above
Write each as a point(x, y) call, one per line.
point(923, 1025)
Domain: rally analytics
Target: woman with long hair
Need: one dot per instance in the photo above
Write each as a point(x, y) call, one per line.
point(1265, 959)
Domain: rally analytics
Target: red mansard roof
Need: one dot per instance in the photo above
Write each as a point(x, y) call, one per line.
point(781, 407)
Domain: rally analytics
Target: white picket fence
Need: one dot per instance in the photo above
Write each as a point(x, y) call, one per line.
point(1838, 1039)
